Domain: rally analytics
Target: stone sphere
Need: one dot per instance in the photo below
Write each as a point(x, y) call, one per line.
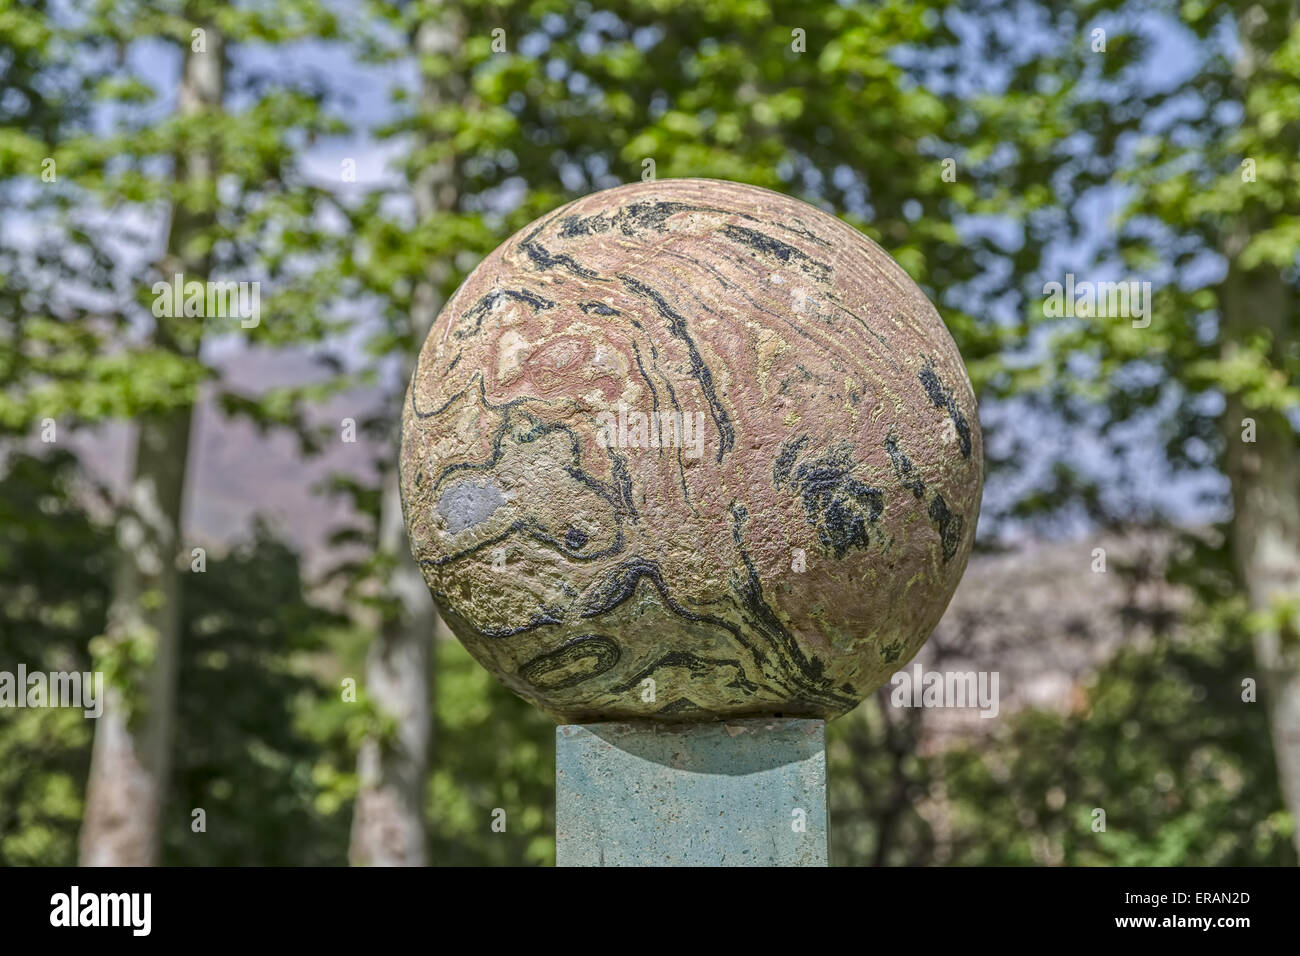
point(690, 450)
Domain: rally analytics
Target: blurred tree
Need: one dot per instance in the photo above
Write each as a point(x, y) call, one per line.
point(877, 778)
point(470, 781)
point(1158, 740)
point(1163, 746)
point(1200, 161)
point(388, 826)
point(54, 592)
point(131, 764)
point(246, 750)
point(258, 724)
point(46, 96)
point(88, 340)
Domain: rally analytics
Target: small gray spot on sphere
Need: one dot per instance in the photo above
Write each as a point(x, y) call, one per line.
point(466, 504)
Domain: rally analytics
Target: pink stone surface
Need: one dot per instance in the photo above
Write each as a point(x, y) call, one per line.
point(783, 551)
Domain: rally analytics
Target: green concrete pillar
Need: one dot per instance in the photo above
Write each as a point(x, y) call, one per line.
point(739, 793)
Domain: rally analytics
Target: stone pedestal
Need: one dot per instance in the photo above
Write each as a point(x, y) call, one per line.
point(739, 793)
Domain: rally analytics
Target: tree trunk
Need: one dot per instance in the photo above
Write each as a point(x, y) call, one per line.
point(1265, 473)
point(388, 822)
point(130, 760)
point(1265, 477)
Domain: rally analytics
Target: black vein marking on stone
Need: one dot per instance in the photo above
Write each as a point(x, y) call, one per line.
point(544, 260)
point(538, 533)
point(618, 493)
point(943, 398)
point(629, 219)
point(783, 251)
point(699, 371)
point(542, 619)
point(950, 526)
point(654, 392)
point(488, 302)
point(654, 395)
point(415, 408)
point(802, 230)
point(698, 666)
point(475, 379)
point(786, 458)
point(455, 361)
point(575, 539)
point(806, 672)
point(599, 308)
point(672, 398)
point(903, 467)
point(834, 300)
point(574, 662)
point(461, 625)
point(839, 506)
point(621, 583)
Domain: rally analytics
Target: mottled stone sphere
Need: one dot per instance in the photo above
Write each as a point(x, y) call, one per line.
point(690, 450)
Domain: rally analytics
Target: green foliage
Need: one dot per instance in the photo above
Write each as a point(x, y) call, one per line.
point(266, 744)
point(1164, 744)
point(1184, 178)
point(1160, 739)
point(876, 780)
point(54, 564)
point(245, 753)
point(255, 720)
point(491, 750)
point(77, 292)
